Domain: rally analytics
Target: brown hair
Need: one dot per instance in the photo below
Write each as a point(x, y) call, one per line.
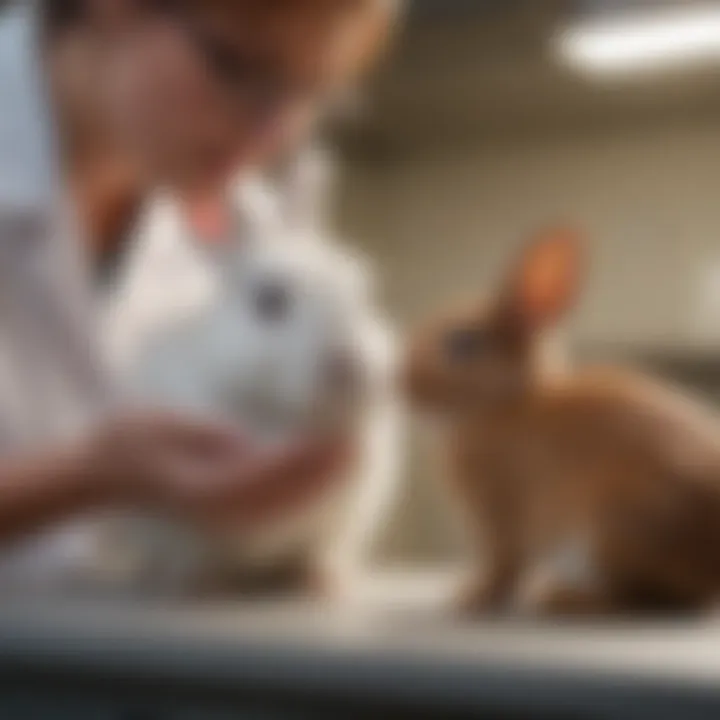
point(60, 14)
point(373, 20)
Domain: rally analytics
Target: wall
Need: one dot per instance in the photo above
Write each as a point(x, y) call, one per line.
point(648, 202)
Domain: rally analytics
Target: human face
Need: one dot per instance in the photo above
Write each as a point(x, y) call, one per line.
point(193, 95)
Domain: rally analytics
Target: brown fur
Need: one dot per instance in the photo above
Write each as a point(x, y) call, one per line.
point(627, 464)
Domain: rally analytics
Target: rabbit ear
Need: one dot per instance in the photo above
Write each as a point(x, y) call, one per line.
point(306, 188)
point(253, 208)
point(209, 222)
point(546, 281)
point(230, 221)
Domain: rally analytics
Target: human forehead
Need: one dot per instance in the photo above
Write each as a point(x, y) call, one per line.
point(306, 40)
point(278, 16)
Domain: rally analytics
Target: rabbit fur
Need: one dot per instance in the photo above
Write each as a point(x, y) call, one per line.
point(202, 342)
point(586, 491)
point(274, 328)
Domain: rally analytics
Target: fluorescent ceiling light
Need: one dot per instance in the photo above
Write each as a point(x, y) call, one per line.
point(643, 41)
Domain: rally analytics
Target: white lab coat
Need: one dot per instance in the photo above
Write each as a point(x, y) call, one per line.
point(51, 380)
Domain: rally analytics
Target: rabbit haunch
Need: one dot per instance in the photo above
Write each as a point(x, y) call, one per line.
point(594, 490)
point(274, 328)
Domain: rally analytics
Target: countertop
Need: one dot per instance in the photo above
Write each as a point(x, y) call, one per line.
point(392, 644)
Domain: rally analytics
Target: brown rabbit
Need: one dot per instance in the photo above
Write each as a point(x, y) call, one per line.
point(593, 491)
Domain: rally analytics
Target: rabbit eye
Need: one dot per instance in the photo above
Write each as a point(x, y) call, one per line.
point(465, 344)
point(272, 302)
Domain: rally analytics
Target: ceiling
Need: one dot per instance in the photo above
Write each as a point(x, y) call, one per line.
point(470, 69)
point(453, 9)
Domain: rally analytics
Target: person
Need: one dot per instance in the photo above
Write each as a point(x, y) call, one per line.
point(102, 101)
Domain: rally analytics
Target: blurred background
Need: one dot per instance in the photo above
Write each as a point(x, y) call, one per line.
point(495, 117)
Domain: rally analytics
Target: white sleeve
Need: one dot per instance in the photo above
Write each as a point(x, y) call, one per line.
point(28, 171)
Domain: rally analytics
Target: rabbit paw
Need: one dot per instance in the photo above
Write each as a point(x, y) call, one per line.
point(564, 582)
point(481, 597)
point(321, 583)
point(567, 602)
point(545, 594)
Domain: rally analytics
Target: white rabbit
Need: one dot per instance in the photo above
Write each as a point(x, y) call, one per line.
point(275, 329)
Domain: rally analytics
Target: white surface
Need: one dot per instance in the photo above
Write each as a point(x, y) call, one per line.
point(394, 620)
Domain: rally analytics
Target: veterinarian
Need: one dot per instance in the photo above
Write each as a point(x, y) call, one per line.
point(101, 100)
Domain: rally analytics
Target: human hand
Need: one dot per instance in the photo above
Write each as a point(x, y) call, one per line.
point(207, 473)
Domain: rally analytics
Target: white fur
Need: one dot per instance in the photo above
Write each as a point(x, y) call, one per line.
point(184, 333)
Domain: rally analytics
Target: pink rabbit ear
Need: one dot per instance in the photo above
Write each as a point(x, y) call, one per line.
point(211, 221)
point(307, 188)
point(546, 281)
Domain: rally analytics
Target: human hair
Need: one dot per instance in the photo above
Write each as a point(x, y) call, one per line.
point(58, 15)
point(375, 20)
